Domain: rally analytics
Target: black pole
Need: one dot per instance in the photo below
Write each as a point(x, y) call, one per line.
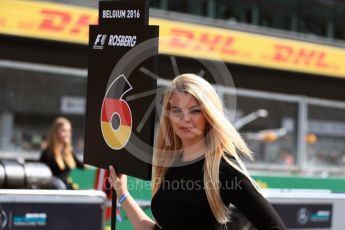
point(113, 210)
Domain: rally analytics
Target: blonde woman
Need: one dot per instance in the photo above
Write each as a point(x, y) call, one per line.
point(59, 152)
point(197, 171)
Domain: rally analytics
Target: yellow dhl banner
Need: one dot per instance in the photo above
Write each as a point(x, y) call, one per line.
point(70, 24)
point(46, 20)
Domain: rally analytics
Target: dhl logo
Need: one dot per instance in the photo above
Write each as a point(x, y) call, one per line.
point(301, 56)
point(230, 47)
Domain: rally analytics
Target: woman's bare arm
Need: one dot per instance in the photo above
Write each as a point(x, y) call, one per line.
point(135, 214)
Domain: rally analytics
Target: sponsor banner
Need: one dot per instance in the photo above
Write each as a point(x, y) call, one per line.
point(46, 20)
point(52, 210)
point(306, 216)
point(250, 49)
point(70, 24)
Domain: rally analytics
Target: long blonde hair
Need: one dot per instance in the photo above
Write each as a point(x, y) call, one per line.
point(53, 143)
point(222, 140)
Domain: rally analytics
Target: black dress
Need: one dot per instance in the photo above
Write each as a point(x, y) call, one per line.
point(181, 201)
point(47, 157)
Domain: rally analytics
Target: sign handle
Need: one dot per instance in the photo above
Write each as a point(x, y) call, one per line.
point(113, 210)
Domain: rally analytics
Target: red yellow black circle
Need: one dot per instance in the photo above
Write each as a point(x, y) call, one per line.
point(116, 137)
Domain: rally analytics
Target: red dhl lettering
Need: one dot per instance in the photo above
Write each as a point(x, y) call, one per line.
point(184, 39)
point(181, 38)
point(301, 56)
point(227, 47)
point(208, 42)
point(62, 21)
point(54, 20)
point(82, 25)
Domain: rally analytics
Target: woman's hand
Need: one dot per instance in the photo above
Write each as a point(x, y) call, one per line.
point(135, 214)
point(117, 181)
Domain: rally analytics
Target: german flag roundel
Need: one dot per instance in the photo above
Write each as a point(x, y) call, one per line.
point(116, 117)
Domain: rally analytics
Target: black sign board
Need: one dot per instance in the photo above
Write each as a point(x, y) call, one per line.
point(120, 92)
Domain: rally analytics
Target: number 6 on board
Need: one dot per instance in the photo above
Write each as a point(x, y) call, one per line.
point(116, 116)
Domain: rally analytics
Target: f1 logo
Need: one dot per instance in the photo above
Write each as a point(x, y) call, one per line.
point(100, 41)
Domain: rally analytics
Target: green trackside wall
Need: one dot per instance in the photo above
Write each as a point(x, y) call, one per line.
point(86, 178)
point(296, 182)
point(141, 190)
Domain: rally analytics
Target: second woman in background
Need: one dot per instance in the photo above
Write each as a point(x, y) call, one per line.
point(59, 152)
